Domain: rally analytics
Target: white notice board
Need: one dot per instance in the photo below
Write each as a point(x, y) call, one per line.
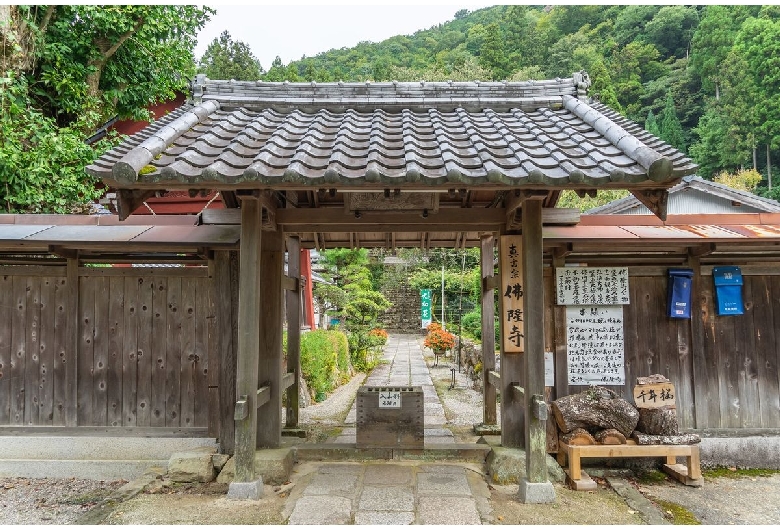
point(591, 285)
point(594, 340)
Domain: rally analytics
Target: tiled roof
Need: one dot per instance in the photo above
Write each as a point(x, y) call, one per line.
point(407, 135)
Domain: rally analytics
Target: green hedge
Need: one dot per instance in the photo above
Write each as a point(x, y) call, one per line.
point(324, 361)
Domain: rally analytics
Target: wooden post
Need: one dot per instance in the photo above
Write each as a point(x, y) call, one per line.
point(533, 313)
point(512, 409)
point(72, 348)
point(269, 425)
point(223, 348)
point(559, 338)
point(487, 242)
point(248, 337)
point(293, 299)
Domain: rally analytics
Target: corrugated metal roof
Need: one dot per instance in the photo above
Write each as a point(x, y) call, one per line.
point(408, 135)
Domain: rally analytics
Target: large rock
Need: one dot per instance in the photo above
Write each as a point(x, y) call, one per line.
point(273, 465)
point(191, 466)
point(506, 466)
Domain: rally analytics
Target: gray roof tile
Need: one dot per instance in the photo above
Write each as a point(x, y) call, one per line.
point(291, 134)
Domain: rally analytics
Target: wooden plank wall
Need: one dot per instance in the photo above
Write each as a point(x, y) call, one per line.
point(728, 377)
point(142, 347)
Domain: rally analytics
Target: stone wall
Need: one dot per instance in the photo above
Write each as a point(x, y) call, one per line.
point(404, 315)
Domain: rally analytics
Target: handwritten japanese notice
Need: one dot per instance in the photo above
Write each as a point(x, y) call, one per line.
point(511, 292)
point(389, 399)
point(594, 339)
point(591, 285)
point(654, 396)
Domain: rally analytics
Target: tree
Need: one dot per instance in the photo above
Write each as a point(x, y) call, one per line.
point(669, 126)
point(671, 30)
point(651, 124)
point(228, 59)
point(65, 70)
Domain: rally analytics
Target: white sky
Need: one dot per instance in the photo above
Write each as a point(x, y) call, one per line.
point(291, 31)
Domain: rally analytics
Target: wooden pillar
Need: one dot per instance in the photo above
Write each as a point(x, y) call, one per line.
point(248, 339)
point(533, 319)
point(223, 347)
point(72, 344)
point(269, 425)
point(512, 404)
point(487, 242)
point(559, 338)
point(293, 299)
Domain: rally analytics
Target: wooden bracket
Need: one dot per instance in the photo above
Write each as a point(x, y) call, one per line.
point(241, 411)
point(704, 249)
point(539, 407)
point(129, 200)
point(490, 282)
point(655, 200)
point(263, 395)
point(494, 378)
point(288, 380)
point(59, 250)
point(290, 284)
point(520, 391)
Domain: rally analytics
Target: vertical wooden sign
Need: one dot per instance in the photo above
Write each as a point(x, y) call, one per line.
point(511, 292)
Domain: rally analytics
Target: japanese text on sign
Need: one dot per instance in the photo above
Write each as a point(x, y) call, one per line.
point(389, 399)
point(511, 292)
point(425, 307)
point(594, 339)
point(592, 285)
point(654, 396)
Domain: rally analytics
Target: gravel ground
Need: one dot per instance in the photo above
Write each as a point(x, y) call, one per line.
point(725, 500)
point(41, 501)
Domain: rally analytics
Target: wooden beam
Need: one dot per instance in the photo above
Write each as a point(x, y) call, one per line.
point(494, 378)
point(220, 216)
point(705, 249)
point(248, 337)
point(533, 317)
point(289, 283)
point(293, 308)
point(489, 281)
point(324, 217)
point(229, 198)
point(655, 200)
point(269, 425)
point(224, 350)
point(127, 201)
point(263, 395)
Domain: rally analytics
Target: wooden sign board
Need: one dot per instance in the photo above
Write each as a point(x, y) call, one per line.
point(654, 396)
point(511, 292)
point(591, 285)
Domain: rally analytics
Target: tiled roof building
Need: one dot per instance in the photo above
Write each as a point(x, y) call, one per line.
point(408, 136)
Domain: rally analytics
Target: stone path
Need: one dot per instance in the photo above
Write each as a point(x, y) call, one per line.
point(392, 493)
point(405, 365)
point(397, 492)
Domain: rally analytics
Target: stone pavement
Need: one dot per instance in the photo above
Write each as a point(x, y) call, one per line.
point(393, 492)
point(405, 366)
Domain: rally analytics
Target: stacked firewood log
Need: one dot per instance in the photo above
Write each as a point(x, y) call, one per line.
point(598, 416)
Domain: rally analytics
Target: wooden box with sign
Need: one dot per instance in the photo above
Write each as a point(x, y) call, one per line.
point(390, 417)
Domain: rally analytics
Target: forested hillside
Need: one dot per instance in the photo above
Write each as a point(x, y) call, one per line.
point(704, 78)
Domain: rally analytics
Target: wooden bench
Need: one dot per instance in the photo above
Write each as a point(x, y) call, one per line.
point(689, 474)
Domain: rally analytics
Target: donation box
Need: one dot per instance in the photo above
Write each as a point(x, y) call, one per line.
point(679, 293)
point(728, 290)
point(390, 417)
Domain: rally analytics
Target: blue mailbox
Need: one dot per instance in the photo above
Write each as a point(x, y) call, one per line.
point(728, 290)
point(679, 293)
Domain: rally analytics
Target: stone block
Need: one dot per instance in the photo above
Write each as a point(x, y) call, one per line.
point(191, 466)
point(507, 466)
point(273, 465)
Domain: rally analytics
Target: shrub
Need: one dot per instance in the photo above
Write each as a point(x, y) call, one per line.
point(439, 339)
point(377, 337)
point(324, 360)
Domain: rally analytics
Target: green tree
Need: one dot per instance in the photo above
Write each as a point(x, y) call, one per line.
point(228, 59)
point(66, 69)
point(651, 124)
point(669, 126)
point(671, 30)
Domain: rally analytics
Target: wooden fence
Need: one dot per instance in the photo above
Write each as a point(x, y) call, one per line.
point(114, 347)
point(725, 368)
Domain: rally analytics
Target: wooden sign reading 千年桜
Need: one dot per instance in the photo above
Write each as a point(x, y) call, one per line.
point(654, 396)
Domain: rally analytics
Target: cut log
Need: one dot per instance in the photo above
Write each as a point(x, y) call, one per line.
point(652, 379)
point(578, 437)
point(654, 439)
point(610, 437)
point(595, 409)
point(658, 421)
